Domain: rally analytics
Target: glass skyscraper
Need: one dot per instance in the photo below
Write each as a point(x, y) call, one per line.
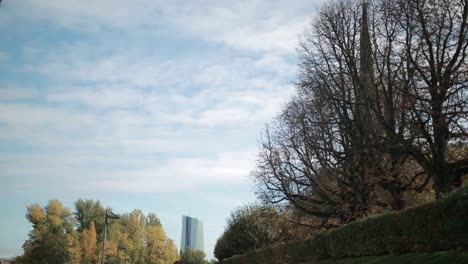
point(192, 234)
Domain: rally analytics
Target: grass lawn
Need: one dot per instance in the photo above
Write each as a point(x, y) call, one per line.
point(450, 257)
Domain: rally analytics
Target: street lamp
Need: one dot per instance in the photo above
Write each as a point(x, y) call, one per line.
point(109, 215)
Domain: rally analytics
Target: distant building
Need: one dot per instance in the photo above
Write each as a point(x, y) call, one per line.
point(7, 261)
point(192, 234)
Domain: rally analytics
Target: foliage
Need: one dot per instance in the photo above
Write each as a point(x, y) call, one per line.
point(432, 227)
point(415, 258)
point(58, 236)
point(191, 256)
point(51, 235)
point(249, 228)
point(87, 211)
point(89, 244)
point(158, 248)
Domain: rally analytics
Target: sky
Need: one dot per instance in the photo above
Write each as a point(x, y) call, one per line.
point(148, 104)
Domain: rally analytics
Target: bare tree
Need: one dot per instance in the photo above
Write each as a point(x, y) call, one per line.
point(380, 98)
point(436, 76)
point(315, 157)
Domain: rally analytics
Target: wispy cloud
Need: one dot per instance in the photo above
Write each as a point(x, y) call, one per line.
point(144, 97)
point(14, 93)
point(251, 25)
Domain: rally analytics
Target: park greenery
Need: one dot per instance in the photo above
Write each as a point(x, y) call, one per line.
point(377, 123)
point(192, 256)
point(433, 228)
point(62, 236)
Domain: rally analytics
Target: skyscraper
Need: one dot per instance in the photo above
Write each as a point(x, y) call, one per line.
point(192, 234)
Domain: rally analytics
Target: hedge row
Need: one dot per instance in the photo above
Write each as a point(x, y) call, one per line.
point(436, 226)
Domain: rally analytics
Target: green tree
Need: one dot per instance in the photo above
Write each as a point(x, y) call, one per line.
point(135, 229)
point(191, 256)
point(52, 231)
point(153, 219)
point(249, 228)
point(87, 211)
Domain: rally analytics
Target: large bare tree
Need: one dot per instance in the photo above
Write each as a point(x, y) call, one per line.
point(436, 41)
point(380, 97)
point(314, 156)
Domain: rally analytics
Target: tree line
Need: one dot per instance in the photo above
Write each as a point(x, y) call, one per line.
point(62, 236)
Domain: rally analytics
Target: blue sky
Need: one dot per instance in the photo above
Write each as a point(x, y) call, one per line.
point(148, 104)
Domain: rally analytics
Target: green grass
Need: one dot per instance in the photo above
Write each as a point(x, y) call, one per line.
point(451, 257)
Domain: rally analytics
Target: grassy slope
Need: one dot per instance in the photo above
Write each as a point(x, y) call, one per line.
point(415, 258)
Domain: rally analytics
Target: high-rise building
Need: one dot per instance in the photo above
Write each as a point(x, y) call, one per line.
point(192, 234)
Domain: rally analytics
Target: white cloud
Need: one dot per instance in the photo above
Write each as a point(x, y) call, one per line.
point(89, 15)
point(99, 96)
point(81, 172)
point(11, 93)
point(198, 90)
point(22, 114)
point(246, 24)
point(108, 107)
point(251, 25)
point(180, 174)
point(143, 96)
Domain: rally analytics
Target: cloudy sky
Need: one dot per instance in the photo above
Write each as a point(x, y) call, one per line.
point(148, 104)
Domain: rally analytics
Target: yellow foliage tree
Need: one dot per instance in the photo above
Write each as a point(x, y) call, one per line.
point(35, 214)
point(159, 249)
point(56, 213)
point(170, 251)
point(89, 244)
point(74, 249)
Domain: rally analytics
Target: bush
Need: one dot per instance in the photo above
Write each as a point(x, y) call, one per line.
point(249, 228)
point(437, 226)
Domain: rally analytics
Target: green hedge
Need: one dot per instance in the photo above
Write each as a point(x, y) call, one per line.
point(291, 252)
point(444, 257)
point(436, 226)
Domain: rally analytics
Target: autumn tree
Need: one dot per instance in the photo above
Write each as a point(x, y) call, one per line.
point(89, 244)
point(52, 231)
point(58, 236)
point(74, 249)
point(159, 249)
point(134, 224)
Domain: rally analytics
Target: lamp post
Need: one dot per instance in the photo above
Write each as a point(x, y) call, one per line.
point(109, 215)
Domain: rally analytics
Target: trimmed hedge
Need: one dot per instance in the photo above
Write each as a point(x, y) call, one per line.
point(292, 252)
point(437, 226)
point(443, 257)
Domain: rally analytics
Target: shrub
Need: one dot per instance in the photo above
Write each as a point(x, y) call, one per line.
point(250, 228)
point(437, 226)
